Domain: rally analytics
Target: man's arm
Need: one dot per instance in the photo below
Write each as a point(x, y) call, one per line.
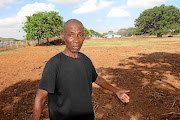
point(39, 103)
point(121, 94)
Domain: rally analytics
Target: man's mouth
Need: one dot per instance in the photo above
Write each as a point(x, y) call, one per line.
point(76, 47)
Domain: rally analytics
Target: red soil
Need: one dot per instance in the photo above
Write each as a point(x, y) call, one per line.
point(152, 76)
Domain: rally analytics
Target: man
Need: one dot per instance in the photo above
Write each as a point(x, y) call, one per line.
point(67, 80)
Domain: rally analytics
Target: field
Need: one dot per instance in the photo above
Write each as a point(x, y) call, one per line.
point(148, 67)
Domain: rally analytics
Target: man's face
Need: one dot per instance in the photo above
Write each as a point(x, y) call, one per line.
point(73, 36)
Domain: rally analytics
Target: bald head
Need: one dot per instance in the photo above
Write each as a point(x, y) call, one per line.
point(71, 22)
point(73, 36)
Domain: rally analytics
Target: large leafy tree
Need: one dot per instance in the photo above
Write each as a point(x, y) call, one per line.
point(159, 20)
point(43, 25)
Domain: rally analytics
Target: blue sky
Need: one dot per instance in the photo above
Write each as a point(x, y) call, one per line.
point(99, 15)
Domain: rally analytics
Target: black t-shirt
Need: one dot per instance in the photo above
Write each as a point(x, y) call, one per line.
point(68, 82)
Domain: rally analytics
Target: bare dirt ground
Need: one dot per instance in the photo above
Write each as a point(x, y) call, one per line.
point(151, 71)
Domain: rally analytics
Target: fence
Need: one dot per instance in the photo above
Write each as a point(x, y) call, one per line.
point(17, 44)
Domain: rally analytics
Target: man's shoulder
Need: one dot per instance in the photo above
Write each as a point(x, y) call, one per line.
point(55, 59)
point(85, 56)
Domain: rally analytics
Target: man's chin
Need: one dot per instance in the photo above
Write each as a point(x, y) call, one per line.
point(75, 51)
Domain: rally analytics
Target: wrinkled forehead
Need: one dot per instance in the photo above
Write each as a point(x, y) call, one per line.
point(73, 26)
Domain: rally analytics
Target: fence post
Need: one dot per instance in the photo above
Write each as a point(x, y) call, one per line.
point(5, 44)
point(1, 44)
point(16, 44)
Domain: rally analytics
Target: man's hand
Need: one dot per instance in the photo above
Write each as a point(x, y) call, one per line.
point(39, 103)
point(121, 94)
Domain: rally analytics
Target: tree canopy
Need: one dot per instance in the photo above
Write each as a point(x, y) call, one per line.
point(43, 25)
point(94, 33)
point(110, 32)
point(123, 32)
point(159, 20)
point(86, 31)
point(104, 34)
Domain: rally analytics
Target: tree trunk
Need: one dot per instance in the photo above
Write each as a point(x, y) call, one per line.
point(38, 43)
point(159, 35)
point(48, 42)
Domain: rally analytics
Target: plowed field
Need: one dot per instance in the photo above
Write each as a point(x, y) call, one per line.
point(148, 67)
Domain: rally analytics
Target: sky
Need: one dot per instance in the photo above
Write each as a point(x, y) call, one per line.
point(99, 15)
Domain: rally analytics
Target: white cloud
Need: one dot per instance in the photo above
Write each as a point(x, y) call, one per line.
point(91, 6)
point(88, 6)
point(144, 3)
point(118, 12)
point(99, 20)
point(3, 2)
point(104, 4)
point(6, 22)
point(67, 2)
point(30, 9)
point(10, 27)
point(8, 7)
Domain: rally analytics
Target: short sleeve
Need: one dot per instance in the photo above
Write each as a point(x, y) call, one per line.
point(94, 74)
point(48, 79)
point(90, 67)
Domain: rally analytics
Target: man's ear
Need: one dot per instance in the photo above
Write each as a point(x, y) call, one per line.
point(62, 36)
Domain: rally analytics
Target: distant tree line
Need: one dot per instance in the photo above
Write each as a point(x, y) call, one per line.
point(155, 21)
point(158, 21)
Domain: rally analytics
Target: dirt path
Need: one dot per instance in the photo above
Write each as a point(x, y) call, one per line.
point(151, 73)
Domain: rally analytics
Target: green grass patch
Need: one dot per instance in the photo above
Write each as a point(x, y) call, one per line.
point(113, 43)
point(11, 50)
point(5, 52)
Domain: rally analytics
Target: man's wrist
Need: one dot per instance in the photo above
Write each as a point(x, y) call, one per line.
point(115, 90)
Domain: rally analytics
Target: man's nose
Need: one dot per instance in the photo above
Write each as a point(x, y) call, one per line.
point(76, 38)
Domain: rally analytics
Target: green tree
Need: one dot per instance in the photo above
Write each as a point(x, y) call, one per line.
point(86, 31)
point(133, 31)
point(98, 34)
point(123, 32)
point(159, 21)
point(43, 25)
point(130, 31)
point(92, 32)
point(110, 32)
point(105, 34)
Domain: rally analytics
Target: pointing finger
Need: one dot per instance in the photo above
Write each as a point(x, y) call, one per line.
point(126, 91)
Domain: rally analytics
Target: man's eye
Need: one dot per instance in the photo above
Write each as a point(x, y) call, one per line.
point(80, 35)
point(70, 35)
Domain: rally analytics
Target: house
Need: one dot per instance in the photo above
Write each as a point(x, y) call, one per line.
point(112, 36)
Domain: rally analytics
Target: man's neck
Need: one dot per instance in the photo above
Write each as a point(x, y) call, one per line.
point(70, 54)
